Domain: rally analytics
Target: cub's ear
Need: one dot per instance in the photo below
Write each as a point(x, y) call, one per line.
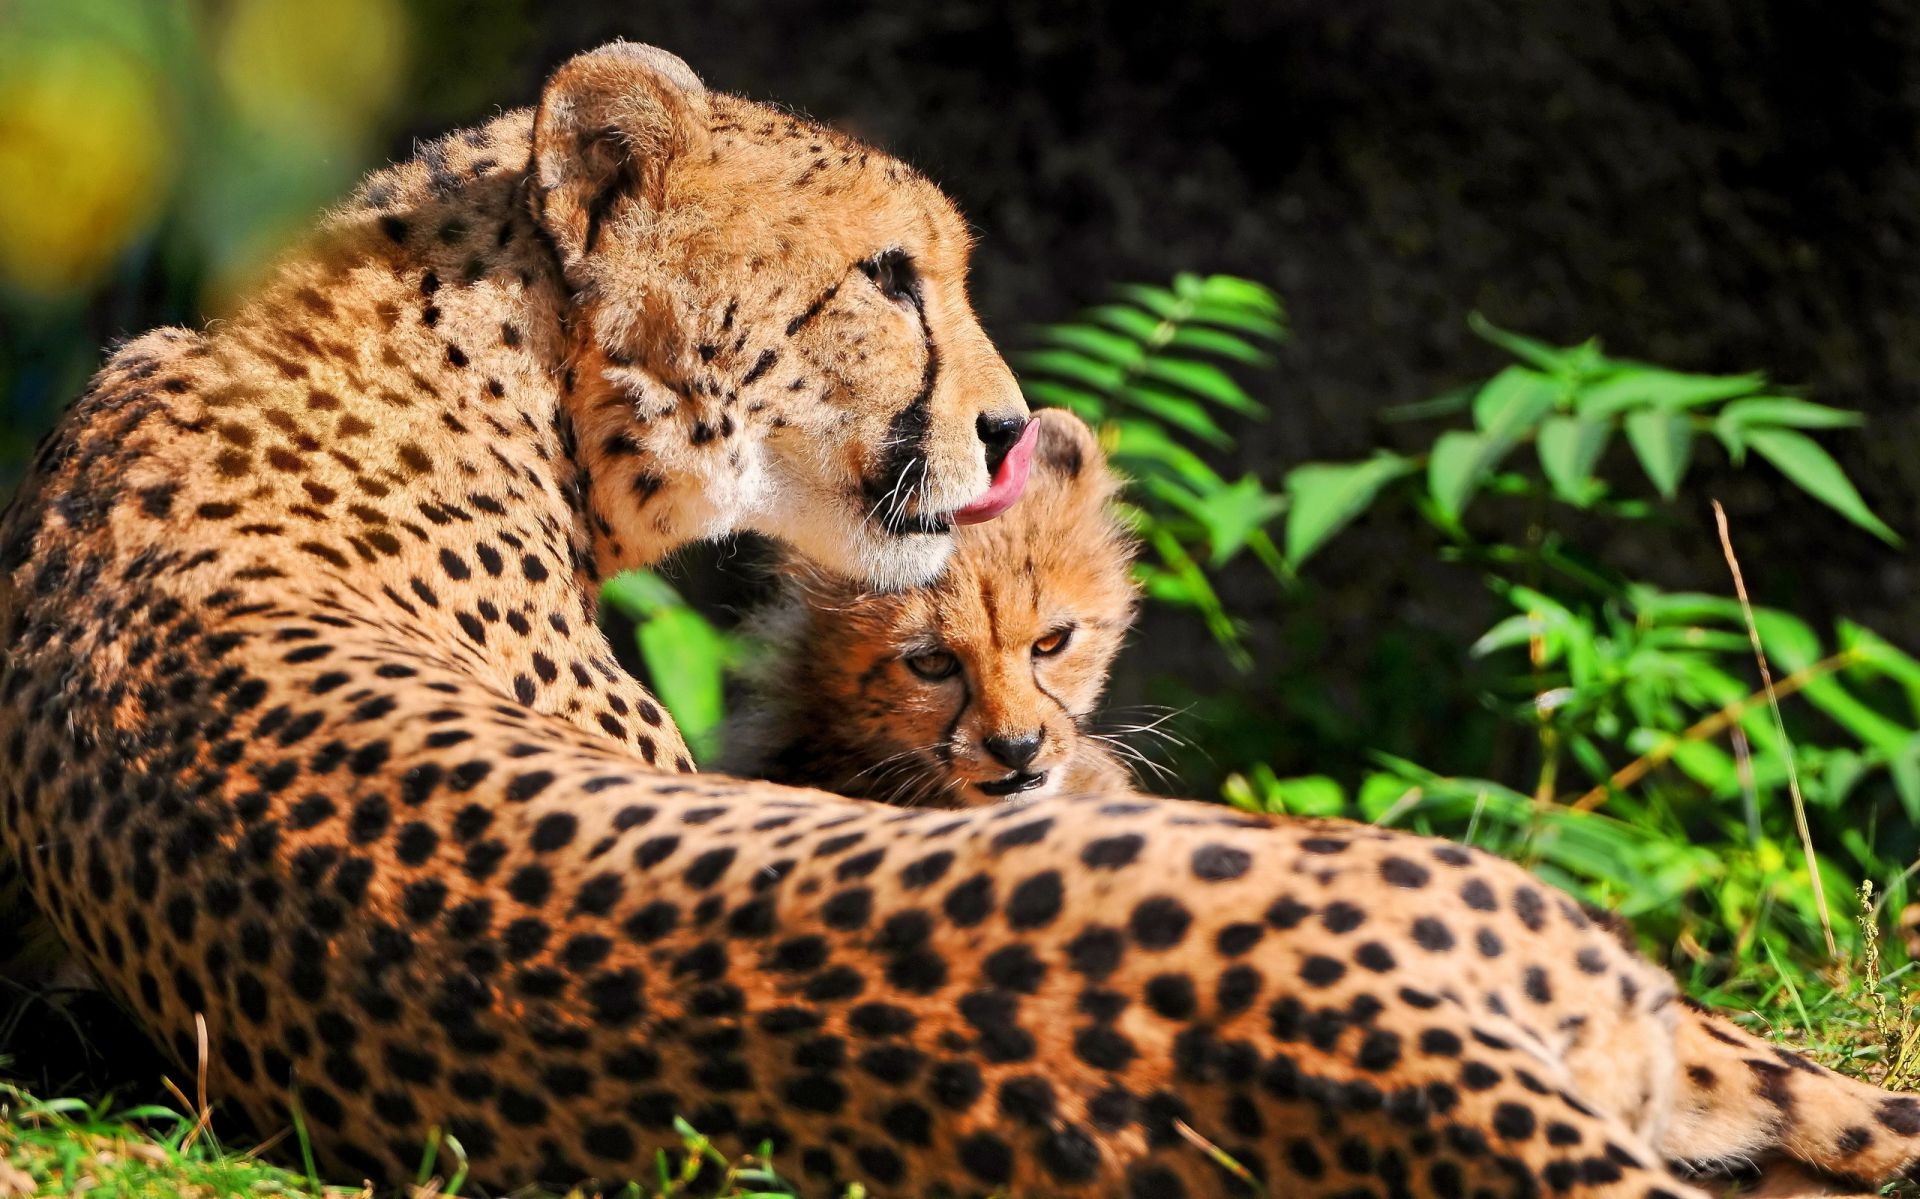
point(1069, 452)
point(610, 122)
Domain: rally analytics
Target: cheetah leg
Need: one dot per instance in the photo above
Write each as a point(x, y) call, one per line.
point(1440, 1101)
point(1743, 1102)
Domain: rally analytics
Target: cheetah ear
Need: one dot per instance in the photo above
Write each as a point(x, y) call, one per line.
point(610, 121)
point(1069, 451)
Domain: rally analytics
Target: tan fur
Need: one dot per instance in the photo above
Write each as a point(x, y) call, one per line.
point(836, 703)
point(307, 737)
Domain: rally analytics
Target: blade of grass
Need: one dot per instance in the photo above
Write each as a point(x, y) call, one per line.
point(1780, 726)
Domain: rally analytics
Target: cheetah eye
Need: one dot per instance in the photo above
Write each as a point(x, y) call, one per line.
point(1053, 642)
point(934, 665)
point(892, 272)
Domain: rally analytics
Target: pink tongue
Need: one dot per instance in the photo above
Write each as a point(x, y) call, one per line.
point(1008, 482)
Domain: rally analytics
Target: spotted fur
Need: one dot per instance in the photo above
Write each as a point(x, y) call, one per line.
point(306, 735)
point(980, 685)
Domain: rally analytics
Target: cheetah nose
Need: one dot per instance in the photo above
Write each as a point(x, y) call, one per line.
point(1015, 753)
point(1009, 462)
point(999, 434)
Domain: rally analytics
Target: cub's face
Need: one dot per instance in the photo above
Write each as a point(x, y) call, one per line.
point(781, 317)
point(977, 688)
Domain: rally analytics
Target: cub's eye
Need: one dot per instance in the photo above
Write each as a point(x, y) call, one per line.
point(892, 272)
point(935, 665)
point(1053, 642)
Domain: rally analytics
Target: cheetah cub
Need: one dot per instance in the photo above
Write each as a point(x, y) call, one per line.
point(968, 691)
point(976, 689)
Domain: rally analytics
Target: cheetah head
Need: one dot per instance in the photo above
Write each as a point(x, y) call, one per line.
point(772, 325)
point(979, 686)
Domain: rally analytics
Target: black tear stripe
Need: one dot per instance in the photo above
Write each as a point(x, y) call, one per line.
point(905, 466)
point(804, 319)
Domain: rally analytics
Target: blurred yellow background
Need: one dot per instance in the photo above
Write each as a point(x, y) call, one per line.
point(272, 107)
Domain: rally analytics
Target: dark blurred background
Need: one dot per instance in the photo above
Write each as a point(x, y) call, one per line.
point(1715, 185)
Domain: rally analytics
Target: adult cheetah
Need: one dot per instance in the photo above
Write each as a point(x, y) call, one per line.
point(306, 733)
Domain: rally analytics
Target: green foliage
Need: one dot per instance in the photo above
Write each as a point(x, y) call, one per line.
point(1665, 784)
point(1147, 370)
point(1570, 404)
point(685, 655)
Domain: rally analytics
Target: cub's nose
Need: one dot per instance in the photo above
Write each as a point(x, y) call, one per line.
point(1015, 753)
point(998, 434)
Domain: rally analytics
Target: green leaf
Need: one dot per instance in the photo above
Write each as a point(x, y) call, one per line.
point(1663, 441)
point(1123, 352)
point(1203, 379)
point(1141, 326)
point(1145, 442)
point(1383, 795)
point(1787, 411)
point(1683, 607)
point(1526, 349)
point(686, 656)
point(1225, 345)
point(1875, 653)
point(1241, 293)
point(1569, 448)
point(1636, 388)
point(1447, 403)
point(1513, 401)
point(1227, 316)
point(1814, 471)
point(1514, 630)
point(1309, 795)
point(1087, 406)
point(1157, 300)
point(1231, 515)
point(1790, 642)
point(1458, 465)
point(640, 594)
point(686, 659)
point(1075, 367)
point(1177, 410)
point(1327, 496)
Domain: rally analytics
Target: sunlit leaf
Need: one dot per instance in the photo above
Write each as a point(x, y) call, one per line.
point(1042, 393)
point(1814, 471)
point(1458, 465)
point(1203, 379)
point(1511, 632)
point(1240, 293)
point(1310, 795)
point(1111, 348)
point(1145, 441)
point(1635, 388)
point(1177, 410)
point(1127, 319)
point(1224, 345)
point(1527, 349)
point(1513, 401)
point(1569, 448)
point(1663, 442)
point(1786, 411)
point(1327, 496)
point(1875, 653)
point(1077, 368)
